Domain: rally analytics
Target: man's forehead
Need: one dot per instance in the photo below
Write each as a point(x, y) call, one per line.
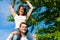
point(23, 25)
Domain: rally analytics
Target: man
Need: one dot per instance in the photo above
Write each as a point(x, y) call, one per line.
point(23, 34)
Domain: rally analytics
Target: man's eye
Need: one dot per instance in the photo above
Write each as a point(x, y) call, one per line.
point(25, 27)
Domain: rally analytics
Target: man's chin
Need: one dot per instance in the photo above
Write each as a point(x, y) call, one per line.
point(23, 32)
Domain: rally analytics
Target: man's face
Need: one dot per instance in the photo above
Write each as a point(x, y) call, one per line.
point(23, 28)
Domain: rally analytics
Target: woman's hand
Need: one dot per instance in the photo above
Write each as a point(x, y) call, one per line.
point(13, 3)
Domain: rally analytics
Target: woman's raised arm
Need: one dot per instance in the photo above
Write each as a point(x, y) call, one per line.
point(31, 9)
point(12, 8)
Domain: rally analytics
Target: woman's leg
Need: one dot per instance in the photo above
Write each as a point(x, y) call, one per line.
point(12, 34)
point(16, 37)
point(10, 37)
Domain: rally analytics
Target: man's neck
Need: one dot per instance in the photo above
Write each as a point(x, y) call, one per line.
point(23, 35)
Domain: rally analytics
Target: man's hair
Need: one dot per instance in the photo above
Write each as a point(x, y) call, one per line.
point(23, 23)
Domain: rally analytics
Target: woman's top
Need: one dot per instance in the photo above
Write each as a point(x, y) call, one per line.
point(23, 38)
point(19, 20)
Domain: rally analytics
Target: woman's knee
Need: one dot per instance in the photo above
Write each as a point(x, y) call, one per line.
point(16, 37)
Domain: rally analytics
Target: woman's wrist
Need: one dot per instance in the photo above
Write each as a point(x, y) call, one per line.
point(27, 1)
point(13, 3)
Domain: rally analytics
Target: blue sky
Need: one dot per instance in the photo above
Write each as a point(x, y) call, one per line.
point(7, 27)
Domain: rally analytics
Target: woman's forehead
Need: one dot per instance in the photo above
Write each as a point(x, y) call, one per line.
point(22, 7)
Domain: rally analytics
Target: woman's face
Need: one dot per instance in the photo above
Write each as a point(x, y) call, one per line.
point(23, 28)
point(21, 11)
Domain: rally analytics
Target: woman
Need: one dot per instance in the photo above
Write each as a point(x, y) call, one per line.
point(22, 16)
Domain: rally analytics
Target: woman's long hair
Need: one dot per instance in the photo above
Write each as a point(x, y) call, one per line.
point(24, 10)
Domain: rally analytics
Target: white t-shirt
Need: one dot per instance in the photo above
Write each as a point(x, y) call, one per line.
point(23, 38)
point(19, 20)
